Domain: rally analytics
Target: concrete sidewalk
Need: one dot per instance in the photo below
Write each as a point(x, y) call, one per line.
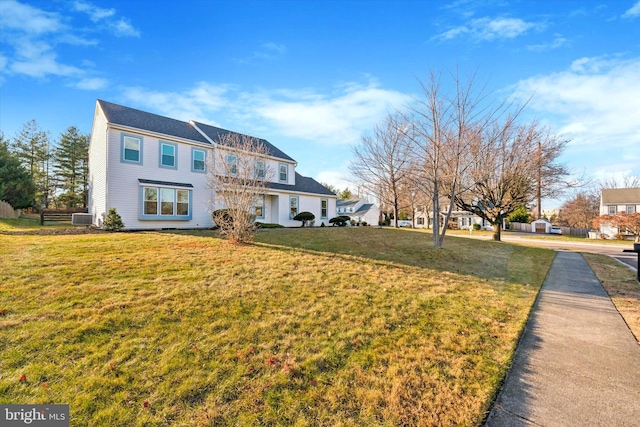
point(577, 363)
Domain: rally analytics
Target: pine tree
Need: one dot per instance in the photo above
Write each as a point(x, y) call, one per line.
point(16, 186)
point(32, 146)
point(70, 160)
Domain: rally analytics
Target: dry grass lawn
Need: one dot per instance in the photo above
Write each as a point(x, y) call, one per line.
point(622, 286)
point(347, 327)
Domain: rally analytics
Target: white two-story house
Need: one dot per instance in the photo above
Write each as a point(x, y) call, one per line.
point(358, 210)
point(154, 171)
point(614, 200)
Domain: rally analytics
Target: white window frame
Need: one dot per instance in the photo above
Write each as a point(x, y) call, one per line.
point(175, 155)
point(123, 142)
point(193, 160)
point(297, 206)
point(286, 172)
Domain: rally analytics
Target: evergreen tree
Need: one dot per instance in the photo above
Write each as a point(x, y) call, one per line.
point(32, 146)
point(16, 186)
point(70, 160)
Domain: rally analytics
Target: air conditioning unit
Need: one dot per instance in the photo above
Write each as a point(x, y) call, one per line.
point(81, 219)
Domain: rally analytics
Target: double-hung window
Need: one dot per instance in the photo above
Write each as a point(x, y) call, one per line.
point(324, 208)
point(294, 201)
point(168, 155)
point(198, 160)
point(232, 164)
point(612, 210)
point(283, 173)
point(631, 209)
point(131, 149)
point(261, 168)
point(159, 202)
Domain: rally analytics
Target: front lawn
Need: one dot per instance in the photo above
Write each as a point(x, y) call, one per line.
point(323, 326)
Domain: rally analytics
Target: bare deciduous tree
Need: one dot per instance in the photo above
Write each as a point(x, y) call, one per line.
point(503, 175)
point(580, 210)
point(552, 177)
point(382, 161)
point(239, 173)
point(446, 134)
point(627, 181)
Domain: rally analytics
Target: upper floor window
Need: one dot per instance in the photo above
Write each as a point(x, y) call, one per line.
point(261, 168)
point(324, 208)
point(631, 209)
point(612, 210)
point(168, 155)
point(232, 164)
point(283, 173)
point(198, 160)
point(131, 149)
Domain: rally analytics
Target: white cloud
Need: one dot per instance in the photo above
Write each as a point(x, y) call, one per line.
point(267, 52)
point(92, 83)
point(95, 13)
point(340, 119)
point(633, 12)
point(31, 37)
point(490, 29)
point(199, 103)
point(595, 104)
point(28, 19)
point(558, 42)
point(122, 28)
point(336, 119)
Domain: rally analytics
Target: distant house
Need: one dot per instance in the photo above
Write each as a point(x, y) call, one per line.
point(614, 200)
point(459, 220)
point(154, 171)
point(358, 210)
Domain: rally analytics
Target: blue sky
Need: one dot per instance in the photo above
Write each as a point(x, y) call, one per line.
point(313, 76)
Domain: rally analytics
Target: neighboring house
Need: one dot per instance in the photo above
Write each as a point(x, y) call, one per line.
point(154, 171)
point(358, 210)
point(460, 220)
point(614, 200)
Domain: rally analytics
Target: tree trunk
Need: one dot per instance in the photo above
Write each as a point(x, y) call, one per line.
point(496, 232)
point(436, 216)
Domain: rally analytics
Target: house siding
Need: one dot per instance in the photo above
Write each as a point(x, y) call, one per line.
point(98, 170)
point(124, 177)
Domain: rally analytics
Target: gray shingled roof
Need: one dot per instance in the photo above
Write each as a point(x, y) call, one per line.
point(130, 117)
point(214, 133)
point(621, 196)
point(346, 203)
point(364, 208)
point(303, 185)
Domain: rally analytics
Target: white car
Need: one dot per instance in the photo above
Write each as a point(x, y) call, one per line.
point(555, 230)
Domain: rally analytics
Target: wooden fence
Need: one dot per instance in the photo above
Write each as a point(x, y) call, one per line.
point(566, 231)
point(7, 211)
point(59, 215)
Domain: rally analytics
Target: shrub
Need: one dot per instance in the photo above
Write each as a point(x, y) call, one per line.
point(476, 227)
point(268, 225)
point(352, 222)
point(364, 223)
point(237, 226)
point(340, 221)
point(113, 221)
point(304, 217)
point(322, 224)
